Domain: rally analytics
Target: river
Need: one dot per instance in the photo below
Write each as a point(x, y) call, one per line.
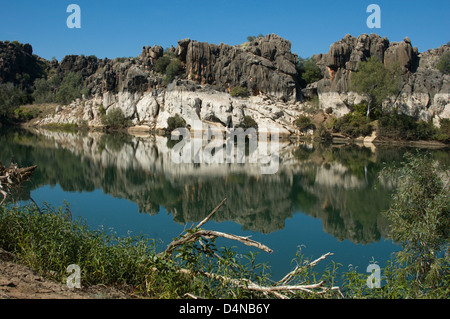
point(323, 198)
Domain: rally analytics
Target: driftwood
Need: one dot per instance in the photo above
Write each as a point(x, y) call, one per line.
point(12, 177)
point(279, 290)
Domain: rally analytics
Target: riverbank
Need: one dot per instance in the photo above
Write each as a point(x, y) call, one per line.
point(18, 281)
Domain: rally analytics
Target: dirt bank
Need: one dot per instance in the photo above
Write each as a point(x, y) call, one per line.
point(20, 282)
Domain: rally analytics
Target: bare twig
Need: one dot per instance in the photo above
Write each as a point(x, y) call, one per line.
point(299, 268)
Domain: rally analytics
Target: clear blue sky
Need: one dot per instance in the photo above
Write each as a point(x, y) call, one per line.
point(120, 28)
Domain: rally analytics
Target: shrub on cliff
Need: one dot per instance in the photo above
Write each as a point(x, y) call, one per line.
point(161, 64)
point(239, 91)
point(308, 71)
point(444, 63)
point(172, 70)
point(247, 123)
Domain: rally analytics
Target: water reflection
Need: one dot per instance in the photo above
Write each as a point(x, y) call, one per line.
point(337, 184)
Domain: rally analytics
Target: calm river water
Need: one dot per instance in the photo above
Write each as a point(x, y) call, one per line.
point(324, 198)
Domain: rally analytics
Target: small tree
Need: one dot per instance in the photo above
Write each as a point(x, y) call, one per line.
point(72, 87)
point(175, 122)
point(444, 63)
point(376, 81)
point(304, 123)
point(239, 91)
point(115, 119)
point(172, 70)
point(420, 219)
point(308, 71)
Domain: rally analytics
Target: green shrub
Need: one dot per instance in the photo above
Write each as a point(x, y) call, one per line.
point(304, 123)
point(161, 64)
point(11, 96)
point(444, 63)
point(353, 125)
point(420, 221)
point(308, 71)
point(252, 38)
point(45, 89)
point(72, 88)
point(115, 119)
point(248, 122)
point(175, 122)
point(401, 126)
point(172, 70)
point(443, 134)
point(239, 91)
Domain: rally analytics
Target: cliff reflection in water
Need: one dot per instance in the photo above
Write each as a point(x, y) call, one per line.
point(337, 184)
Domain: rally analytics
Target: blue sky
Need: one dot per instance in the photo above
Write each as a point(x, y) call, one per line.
point(120, 28)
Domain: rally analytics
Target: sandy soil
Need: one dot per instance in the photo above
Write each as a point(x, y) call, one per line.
point(20, 282)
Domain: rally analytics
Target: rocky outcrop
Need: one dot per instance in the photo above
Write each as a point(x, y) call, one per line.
point(424, 93)
point(18, 64)
point(265, 65)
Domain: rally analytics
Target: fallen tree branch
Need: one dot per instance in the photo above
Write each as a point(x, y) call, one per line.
point(210, 234)
point(12, 177)
point(198, 233)
point(279, 290)
point(297, 269)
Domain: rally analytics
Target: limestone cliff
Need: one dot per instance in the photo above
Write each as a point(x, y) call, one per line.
point(201, 91)
point(425, 92)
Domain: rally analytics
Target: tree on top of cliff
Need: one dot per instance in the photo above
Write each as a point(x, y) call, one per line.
point(308, 71)
point(375, 81)
point(444, 63)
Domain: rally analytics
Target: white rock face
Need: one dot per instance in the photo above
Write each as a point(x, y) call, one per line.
point(147, 109)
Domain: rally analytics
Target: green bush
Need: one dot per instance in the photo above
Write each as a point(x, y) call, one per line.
point(308, 71)
point(239, 91)
point(161, 64)
point(248, 122)
point(353, 125)
point(443, 134)
point(45, 89)
point(420, 221)
point(401, 126)
point(252, 38)
point(115, 119)
point(444, 63)
point(175, 122)
point(304, 123)
point(11, 96)
point(172, 70)
point(72, 88)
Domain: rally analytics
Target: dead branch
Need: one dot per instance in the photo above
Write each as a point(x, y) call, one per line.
point(299, 268)
point(211, 234)
point(198, 233)
point(12, 177)
point(279, 290)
